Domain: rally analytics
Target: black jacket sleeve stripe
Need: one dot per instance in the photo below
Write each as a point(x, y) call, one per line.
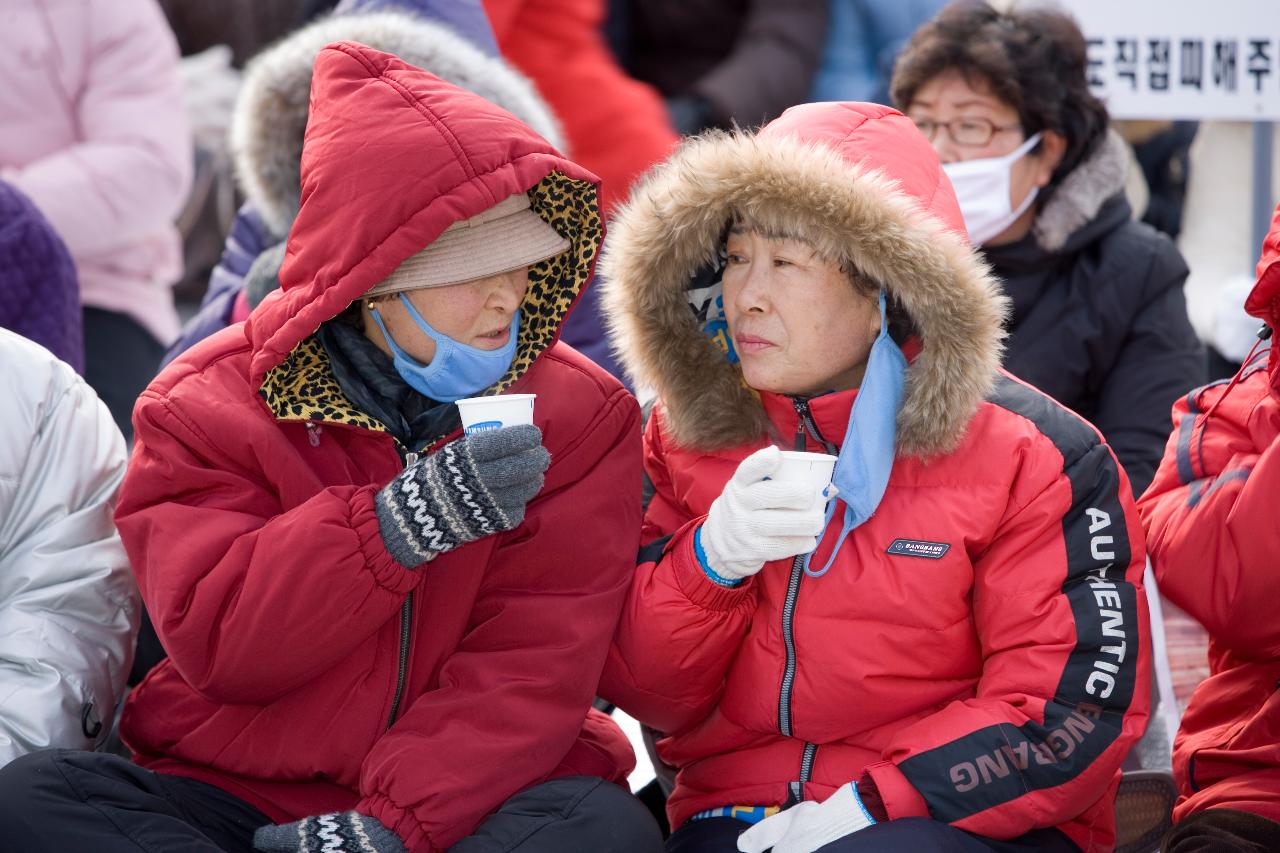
point(999, 763)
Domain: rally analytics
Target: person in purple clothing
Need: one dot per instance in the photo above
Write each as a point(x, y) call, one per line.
point(39, 291)
point(450, 38)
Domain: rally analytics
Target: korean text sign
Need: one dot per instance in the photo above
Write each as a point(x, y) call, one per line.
point(1183, 59)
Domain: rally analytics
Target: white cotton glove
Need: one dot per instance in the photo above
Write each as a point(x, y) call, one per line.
point(757, 520)
point(808, 826)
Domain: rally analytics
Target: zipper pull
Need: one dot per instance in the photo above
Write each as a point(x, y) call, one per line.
point(410, 459)
point(313, 434)
point(800, 408)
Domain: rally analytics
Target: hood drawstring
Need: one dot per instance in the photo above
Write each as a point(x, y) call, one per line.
point(870, 444)
point(1264, 335)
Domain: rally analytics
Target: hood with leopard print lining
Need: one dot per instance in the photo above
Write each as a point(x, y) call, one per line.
point(859, 183)
point(393, 155)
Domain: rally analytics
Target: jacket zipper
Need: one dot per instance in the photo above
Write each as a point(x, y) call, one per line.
point(406, 632)
point(806, 424)
point(809, 425)
point(806, 770)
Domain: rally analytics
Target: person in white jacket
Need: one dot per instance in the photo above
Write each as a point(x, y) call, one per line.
point(68, 602)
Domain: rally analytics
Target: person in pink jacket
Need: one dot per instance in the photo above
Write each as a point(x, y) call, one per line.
point(93, 130)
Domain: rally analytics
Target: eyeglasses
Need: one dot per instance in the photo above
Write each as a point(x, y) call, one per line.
point(971, 132)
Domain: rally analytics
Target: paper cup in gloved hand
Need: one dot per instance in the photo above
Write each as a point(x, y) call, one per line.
point(480, 414)
point(813, 468)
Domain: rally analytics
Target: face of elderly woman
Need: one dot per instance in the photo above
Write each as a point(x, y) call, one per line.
point(477, 313)
point(799, 325)
point(967, 123)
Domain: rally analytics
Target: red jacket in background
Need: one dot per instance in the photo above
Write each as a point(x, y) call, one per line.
point(308, 670)
point(1213, 523)
point(617, 126)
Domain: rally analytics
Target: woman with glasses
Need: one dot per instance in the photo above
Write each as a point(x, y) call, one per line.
point(1098, 316)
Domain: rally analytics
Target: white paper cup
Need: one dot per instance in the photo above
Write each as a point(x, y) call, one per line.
point(815, 469)
point(480, 414)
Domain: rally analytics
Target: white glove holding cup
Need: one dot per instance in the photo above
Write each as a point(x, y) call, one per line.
point(809, 826)
point(761, 516)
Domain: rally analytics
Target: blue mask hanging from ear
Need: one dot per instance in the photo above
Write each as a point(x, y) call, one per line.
point(456, 370)
point(870, 443)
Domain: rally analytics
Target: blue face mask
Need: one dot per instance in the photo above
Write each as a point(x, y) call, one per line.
point(866, 455)
point(456, 370)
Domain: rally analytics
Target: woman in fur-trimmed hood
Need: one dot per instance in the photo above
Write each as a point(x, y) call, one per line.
point(964, 656)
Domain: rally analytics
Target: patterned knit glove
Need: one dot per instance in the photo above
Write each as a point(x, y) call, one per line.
point(469, 489)
point(339, 832)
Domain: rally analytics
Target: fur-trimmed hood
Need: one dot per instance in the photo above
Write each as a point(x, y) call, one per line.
point(271, 110)
point(860, 183)
point(1076, 201)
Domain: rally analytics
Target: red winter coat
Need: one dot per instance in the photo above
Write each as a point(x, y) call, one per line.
point(980, 646)
point(248, 507)
point(617, 127)
point(1211, 518)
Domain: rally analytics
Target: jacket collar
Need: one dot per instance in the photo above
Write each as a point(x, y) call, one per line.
point(303, 388)
point(1076, 201)
point(829, 413)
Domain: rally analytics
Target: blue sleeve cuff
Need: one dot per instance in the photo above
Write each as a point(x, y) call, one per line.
point(858, 798)
point(706, 568)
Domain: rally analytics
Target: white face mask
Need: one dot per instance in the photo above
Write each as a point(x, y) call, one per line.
point(982, 188)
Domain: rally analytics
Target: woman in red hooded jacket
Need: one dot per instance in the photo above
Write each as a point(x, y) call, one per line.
point(962, 662)
point(1210, 516)
point(382, 635)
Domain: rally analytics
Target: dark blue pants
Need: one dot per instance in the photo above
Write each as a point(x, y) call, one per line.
point(120, 360)
point(66, 801)
point(1223, 831)
point(916, 834)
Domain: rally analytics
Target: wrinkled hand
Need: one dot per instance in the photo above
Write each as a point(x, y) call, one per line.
point(757, 520)
point(808, 826)
point(471, 488)
point(338, 832)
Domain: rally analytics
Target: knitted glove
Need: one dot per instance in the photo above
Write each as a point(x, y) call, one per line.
point(808, 826)
point(339, 832)
point(757, 520)
point(469, 489)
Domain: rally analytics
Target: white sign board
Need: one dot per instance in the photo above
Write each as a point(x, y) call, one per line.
point(1183, 59)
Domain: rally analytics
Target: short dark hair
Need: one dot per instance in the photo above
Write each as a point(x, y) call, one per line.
point(1033, 59)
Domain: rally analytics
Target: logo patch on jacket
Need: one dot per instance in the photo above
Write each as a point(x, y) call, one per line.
point(918, 548)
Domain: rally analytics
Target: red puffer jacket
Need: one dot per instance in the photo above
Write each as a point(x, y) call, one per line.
point(1211, 517)
point(980, 646)
point(309, 671)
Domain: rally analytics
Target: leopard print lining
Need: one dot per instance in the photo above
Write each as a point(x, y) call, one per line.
point(302, 387)
point(570, 207)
